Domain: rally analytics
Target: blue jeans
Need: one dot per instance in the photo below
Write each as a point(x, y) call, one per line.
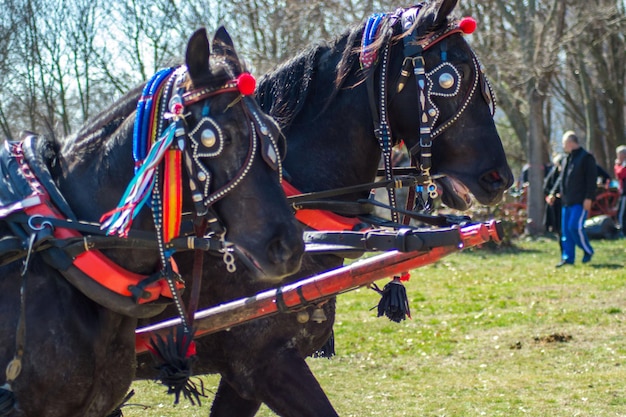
point(573, 232)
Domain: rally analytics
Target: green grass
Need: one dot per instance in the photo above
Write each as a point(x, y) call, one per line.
point(483, 341)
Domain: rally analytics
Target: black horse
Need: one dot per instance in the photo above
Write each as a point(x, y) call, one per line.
point(77, 357)
point(323, 105)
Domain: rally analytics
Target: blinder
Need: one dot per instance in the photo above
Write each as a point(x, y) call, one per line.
point(273, 149)
point(487, 91)
point(207, 141)
point(443, 81)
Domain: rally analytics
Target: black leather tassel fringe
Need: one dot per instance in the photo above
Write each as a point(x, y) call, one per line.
point(393, 301)
point(174, 363)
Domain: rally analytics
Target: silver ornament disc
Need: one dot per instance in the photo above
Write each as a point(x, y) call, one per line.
point(208, 138)
point(446, 80)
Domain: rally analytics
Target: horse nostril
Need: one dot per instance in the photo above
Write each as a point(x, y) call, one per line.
point(283, 248)
point(495, 181)
point(494, 176)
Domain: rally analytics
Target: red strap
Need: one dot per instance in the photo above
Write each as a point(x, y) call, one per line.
point(97, 266)
point(320, 219)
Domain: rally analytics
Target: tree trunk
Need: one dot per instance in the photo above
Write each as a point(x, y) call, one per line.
point(536, 155)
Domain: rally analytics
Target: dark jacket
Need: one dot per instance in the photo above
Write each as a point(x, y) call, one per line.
point(578, 178)
point(551, 178)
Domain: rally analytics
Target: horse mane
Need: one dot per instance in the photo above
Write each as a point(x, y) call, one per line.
point(283, 92)
point(104, 123)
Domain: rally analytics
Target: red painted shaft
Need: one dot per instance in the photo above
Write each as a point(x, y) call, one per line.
point(318, 287)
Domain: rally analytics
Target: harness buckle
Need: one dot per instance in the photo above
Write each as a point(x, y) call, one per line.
point(416, 59)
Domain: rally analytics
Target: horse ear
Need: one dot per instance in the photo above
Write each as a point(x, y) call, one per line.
point(197, 56)
point(223, 45)
point(443, 10)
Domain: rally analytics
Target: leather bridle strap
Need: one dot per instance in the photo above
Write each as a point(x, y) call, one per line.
point(200, 226)
point(427, 112)
point(382, 129)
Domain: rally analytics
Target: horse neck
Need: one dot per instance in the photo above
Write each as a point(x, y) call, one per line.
point(330, 142)
point(95, 165)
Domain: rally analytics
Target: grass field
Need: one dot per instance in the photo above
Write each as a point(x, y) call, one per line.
point(494, 333)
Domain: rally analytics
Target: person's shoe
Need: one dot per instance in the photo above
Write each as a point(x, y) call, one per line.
point(587, 257)
point(563, 263)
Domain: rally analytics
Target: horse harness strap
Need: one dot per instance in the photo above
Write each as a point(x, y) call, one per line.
point(31, 221)
point(323, 214)
point(164, 101)
point(378, 26)
point(443, 81)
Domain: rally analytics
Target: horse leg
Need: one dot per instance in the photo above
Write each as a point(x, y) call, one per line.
point(228, 403)
point(287, 385)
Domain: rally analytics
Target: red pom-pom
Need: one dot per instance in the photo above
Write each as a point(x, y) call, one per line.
point(405, 276)
point(467, 25)
point(246, 84)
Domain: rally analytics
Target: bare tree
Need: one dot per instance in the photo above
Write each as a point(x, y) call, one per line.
point(523, 43)
point(8, 26)
point(591, 82)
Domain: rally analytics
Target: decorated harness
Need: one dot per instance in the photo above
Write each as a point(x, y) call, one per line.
point(442, 81)
point(40, 219)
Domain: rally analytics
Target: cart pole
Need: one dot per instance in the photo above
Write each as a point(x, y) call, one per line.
point(319, 287)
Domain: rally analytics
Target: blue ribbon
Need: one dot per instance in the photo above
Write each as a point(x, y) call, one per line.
point(144, 111)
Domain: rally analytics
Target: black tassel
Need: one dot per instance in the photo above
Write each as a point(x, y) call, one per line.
point(7, 400)
point(175, 356)
point(328, 349)
point(393, 301)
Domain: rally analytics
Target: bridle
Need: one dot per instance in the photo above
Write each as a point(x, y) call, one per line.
point(164, 141)
point(158, 151)
point(443, 81)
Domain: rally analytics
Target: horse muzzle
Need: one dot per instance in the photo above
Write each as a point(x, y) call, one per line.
point(494, 183)
point(282, 257)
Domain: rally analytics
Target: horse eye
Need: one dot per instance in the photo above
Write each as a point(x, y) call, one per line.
point(208, 138)
point(446, 80)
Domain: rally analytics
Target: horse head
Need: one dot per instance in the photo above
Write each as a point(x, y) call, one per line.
point(241, 148)
point(442, 106)
point(214, 153)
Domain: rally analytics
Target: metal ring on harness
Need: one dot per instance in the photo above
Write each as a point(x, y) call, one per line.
point(43, 224)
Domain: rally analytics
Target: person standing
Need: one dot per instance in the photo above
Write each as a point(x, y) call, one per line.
point(620, 175)
point(577, 188)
